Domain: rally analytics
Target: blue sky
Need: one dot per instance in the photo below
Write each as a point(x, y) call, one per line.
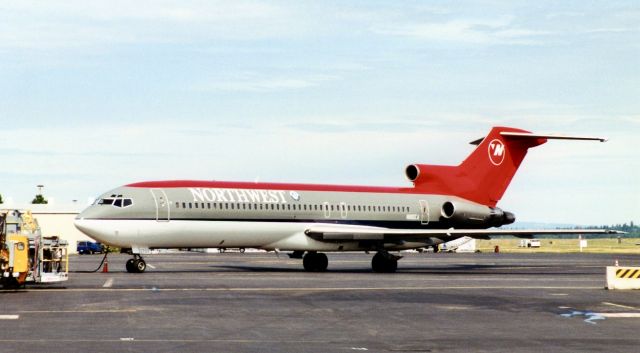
point(98, 94)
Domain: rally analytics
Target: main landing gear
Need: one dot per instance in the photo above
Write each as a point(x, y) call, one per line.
point(383, 262)
point(136, 265)
point(315, 262)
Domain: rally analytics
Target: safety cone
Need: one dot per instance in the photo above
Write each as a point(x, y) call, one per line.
point(105, 266)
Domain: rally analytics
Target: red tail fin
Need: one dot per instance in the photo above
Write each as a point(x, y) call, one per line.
point(485, 175)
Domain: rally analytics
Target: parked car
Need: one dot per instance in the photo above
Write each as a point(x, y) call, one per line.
point(89, 247)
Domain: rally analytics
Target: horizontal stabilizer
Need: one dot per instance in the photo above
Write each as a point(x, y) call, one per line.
point(517, 135)
point(528, 135)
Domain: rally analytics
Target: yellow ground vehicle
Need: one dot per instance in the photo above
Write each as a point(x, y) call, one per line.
point(25, 255)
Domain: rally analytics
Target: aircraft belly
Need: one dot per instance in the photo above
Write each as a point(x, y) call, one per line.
point(185, 234)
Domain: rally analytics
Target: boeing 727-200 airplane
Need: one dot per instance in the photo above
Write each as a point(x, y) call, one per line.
point(445, 203)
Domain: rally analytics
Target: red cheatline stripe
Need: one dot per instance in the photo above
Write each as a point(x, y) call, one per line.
point(269, 186)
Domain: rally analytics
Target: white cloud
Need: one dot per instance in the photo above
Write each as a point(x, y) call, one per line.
point(73, 24)
point(474, 31)
point(254, 82)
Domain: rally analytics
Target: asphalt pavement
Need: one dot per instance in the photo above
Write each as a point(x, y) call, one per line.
point(259, 302)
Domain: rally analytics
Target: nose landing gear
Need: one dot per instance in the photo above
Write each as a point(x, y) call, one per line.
point(136, 265)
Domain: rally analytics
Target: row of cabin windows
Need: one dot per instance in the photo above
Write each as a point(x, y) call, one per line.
point(289, 207)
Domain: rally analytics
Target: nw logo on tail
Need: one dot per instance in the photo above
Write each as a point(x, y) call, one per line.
point(496, 152)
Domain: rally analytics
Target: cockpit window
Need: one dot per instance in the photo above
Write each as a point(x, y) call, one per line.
point(105, 202)
point(118, 202)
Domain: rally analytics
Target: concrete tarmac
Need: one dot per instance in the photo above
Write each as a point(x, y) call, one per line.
point(257, 302)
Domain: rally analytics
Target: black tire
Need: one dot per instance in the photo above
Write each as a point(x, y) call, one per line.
point(315, 262)
point(308, 261)
point(139, 265)
point(129, 265)
point(322, 262)
point(384, 263)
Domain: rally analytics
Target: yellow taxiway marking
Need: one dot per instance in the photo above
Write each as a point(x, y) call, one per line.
point(620, 306)
point(304, 289)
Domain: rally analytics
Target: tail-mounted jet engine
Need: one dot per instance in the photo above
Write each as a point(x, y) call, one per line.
point(475, 215)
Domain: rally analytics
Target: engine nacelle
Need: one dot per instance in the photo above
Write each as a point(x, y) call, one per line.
point(414, 171)
point(474, 214)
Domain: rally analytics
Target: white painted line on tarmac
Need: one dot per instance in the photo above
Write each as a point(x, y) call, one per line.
point(177, 340)
point(620, 306)
point(620, 315)
point(9, 317)
point(309, 289)
point(108, 283)
point(151, 266)
point(77, 311)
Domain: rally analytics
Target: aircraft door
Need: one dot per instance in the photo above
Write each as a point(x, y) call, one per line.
point(162, 205)
point(325, 207)
point(343, 210)
point(424, 212)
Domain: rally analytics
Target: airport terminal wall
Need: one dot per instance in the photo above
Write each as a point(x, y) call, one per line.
point(56, 220)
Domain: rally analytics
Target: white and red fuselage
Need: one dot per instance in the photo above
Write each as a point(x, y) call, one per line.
point(445, 202)
point(183, 214)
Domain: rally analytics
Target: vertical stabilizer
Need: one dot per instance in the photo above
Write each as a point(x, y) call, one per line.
point(486, 173)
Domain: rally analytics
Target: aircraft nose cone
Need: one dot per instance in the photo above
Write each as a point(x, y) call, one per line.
point(87, 227)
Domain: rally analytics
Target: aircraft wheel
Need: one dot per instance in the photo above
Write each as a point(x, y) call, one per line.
point(383, 262)
point(315, 262)
point(139, 265)
point(129, 265)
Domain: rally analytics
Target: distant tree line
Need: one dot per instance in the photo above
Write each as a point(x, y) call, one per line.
point(39, 199)
point(632, 230)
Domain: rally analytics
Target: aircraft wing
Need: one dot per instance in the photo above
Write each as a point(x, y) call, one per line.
point(334, 232)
